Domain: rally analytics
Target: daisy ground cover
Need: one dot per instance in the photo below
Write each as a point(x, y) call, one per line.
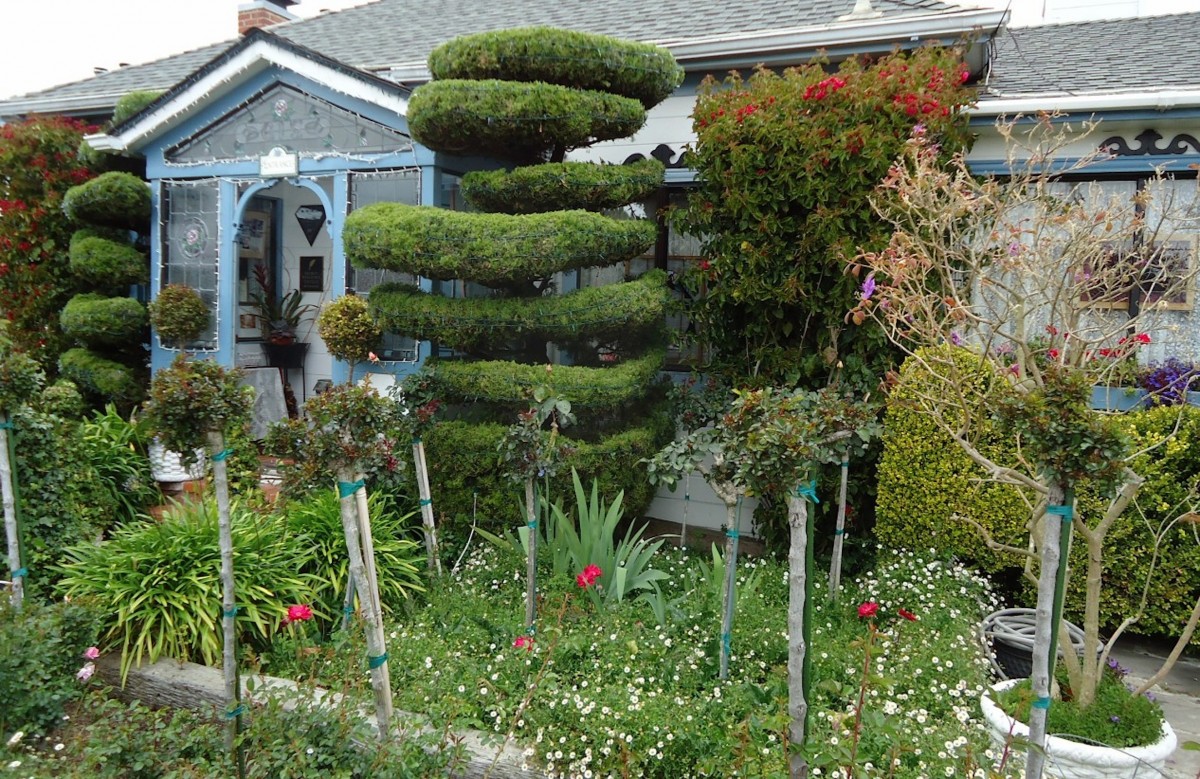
point(615, 692)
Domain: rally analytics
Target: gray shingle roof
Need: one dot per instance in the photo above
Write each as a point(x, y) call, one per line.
point(1112, 55)
point(384, 33)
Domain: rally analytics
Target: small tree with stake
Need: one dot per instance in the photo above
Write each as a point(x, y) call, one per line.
point(193, 404)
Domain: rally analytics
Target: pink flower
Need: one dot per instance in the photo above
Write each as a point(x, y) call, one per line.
point(907, 615)
point(589, 576)
point(298, 613)
point(1142, 338)
point(868, 287)
point(524, 642)
point(373, 357)
point(85, 673)
point(91, 653)
point(868, 609)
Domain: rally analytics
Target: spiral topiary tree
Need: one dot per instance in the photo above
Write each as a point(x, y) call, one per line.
point(528, 97)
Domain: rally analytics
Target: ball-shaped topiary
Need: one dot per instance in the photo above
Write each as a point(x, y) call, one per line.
point(113, 199)
point(102, 377)
point(558, 186)
point(101, 263)
point(179, 315)
point(348, 329)
point(98, 320)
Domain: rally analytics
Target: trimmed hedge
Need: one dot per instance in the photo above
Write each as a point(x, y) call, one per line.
point(490, 249)
point(626, 313)
point(464, 465)
point(925, 478)
point(640, 71)
point(594, 389)
point(103, 377)
point(557, 186)
point(511, 120)
point(113, 199)
point(98, 320)
point(107, 264)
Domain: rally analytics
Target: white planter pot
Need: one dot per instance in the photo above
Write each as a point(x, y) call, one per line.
point(1073, 760)
point(166, 466)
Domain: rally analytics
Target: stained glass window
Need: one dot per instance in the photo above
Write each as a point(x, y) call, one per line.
point(190, 240)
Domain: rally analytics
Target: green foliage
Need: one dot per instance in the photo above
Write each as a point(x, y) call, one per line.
point(348, 330)
point(641, 71)
point(192, 398)
point(114, 449)
point(101, 321)
point(39, 162)
point(157, 585)
point(41, 649)
point(491, 249)
point(179, 315)
point(63, 399)
point(464, 475)
point(1171, 471)
point(101, 377)
point(926, 480)
point(596, 389)
point(516, 121)
point(113, 199)
point(628, 313)
point(132, 103)
point(558, 186)
point(397, 558)
point(787, 166)
point(101, 263)
point(20, 376)
point(279, 316)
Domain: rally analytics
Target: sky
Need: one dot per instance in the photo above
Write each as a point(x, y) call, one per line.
point(44, 43)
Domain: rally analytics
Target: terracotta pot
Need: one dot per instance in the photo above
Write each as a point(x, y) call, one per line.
point(1067, 759)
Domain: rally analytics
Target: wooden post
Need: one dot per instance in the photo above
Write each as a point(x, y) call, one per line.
point(839, 534)
point(11, 532)
point(1045, 653)
point(233, 709)
point(431, 543)
point(733, 528)
point(531, 559)
point(798, 662)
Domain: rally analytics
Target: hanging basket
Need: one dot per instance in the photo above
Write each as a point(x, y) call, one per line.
point(1008, 637)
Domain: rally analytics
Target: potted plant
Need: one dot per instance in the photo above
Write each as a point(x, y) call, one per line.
point(279, 318)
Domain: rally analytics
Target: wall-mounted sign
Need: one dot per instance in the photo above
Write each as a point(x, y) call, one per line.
point(311, 219)
point(312, 274)
point(278, 162)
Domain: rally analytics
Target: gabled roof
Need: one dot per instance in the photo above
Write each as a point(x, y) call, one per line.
point(394, 37)
point(1139, 62)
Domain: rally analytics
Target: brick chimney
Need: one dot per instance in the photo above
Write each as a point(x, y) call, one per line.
point(263, 13)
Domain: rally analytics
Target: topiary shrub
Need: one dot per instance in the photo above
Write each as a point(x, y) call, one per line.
point(640, 71)
point(559, 186)
point(516, 121)
point(925, 479)
point(98, 320)
point(132, 103)
point(102, 263)
point(102, 377)
point(113, 199)
point(179, 315)
point(348, 330)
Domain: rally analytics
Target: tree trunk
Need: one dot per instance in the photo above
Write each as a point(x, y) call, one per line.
point(1044, 651)
point(368, 547)
point(839, 534)
point(531, 557)
point(373, 627)
point(11, 533)
point(431, 544)
point(233, 716)
point(733, 521)
point(798, 552)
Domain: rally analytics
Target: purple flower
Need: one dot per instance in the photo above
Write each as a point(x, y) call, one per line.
point(868, 287)
point(1014, 249)
point(955, 338)
point(1114, 718)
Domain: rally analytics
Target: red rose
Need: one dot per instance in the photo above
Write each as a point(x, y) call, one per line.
point(868, 609)
point(907, 615)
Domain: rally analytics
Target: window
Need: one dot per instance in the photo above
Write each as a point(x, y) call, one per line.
point(190, 237)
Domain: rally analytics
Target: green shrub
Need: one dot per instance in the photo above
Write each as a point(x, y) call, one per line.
point(560, 186)
point(464, 466)
point(97, 320)
point(114, 449)
point(616, 313)
point(20, 376)
point(113, 199)
point(346, 327)
point(132, 103)
point(102, 377)
point(925, 479)
point(640, 71)
point(397, 558)
point(1171, 471)
point(179, 315)
point(105, 264)
point(516, 121)
point(62, 398)
point(490, 249)
point(41, 649)
point(157, 584)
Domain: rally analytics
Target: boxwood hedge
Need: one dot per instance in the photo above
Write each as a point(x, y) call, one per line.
point(107, 264)
point(102, 377)
point(113, 199)
point(640, 71)
point(516, 121)
point(558, 186)
point(490, 249)
point(465, 468)
point(617, 313)
point(98, 320)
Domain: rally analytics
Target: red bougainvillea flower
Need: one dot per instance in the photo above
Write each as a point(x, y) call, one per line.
point(524, 642)
point(907, 615)
point(868, 609)
point(298, 613)
point(588, 576)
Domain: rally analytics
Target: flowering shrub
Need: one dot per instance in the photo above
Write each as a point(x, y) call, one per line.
point(1168, 382)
